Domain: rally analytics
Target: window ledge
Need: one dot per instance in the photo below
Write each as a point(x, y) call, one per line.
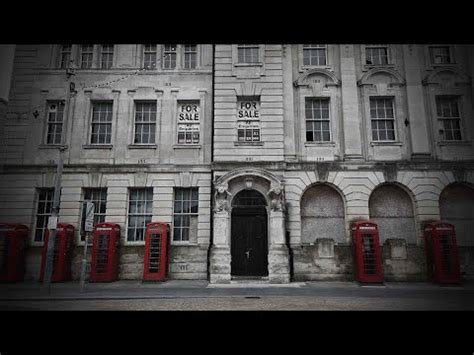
point(97, 146)
point(133, 244)
point(257, 64)
point(320, 144)
point(309, 67)
point(388, 143)
point(432, 66)
point(184, 243)
point(450, 143)
point(248, 144)
point(142, 146)
point(372, 66)
point(187, 146)
point(50, 146)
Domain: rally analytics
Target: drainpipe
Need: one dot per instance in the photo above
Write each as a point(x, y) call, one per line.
point(211, 231)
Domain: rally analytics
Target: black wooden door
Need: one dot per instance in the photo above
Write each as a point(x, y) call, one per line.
point(249, 243)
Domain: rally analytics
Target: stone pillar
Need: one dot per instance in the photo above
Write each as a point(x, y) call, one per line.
point(289, 122)
point(278, 256)
point(416, 103)
point(350, 105)
point(220, 250)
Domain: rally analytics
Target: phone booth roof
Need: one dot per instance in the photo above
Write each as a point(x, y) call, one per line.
point(158, 225)
point(439, 225)
point(107, 225)
point(358, 224)
point(10, 227)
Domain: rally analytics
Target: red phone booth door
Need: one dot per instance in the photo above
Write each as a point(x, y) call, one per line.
point(4, 246)
point(154, 260)
point(370, 261)
point(102, 253)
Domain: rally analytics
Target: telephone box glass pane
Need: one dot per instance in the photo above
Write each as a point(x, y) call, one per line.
point(446, 248)
point(3, 254)
point(369, 254)
point(155, 253)
point(102, 253)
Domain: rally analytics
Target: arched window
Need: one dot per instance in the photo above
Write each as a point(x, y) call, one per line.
point(322, 214)
point(456, 206)
point(392, 209)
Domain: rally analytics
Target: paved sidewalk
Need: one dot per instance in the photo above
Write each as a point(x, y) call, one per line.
point(200, 295)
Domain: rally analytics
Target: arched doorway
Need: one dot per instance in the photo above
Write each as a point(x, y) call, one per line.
point(249, 234)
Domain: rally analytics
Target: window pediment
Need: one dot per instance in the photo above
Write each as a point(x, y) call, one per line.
point(436, 76)
point(396, 78)
point(307, 78)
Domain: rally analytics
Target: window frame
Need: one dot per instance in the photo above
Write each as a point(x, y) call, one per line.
point(441, 119)
point(99, 203)
point(144, 54)
point(148, 202)
point(450, 52)
point(55, 123)
point(245, 46)
point(174, 54)
point(377, 46)
point(108, 123)
point(89, 53)
point(191, 214)
point(313, 120)
point(185, 52)
point(48, 191)
point(64, 64)
point(109, 53)
point(142, 123)
point(373, 98)
point(305, 47)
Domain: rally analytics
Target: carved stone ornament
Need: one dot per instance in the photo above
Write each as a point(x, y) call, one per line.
point(277, 198)
point(221, 197)
point(390, 172)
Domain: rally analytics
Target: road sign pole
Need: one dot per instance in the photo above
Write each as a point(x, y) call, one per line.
point(52, 225)
point(88, 227)
point(84, 262)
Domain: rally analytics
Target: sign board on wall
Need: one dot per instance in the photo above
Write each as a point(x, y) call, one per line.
point(189, 117)
point(248, 119)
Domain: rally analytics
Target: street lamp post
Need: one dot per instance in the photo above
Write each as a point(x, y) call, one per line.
point(53, 219)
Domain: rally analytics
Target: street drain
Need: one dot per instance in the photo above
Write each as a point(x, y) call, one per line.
point(252, 297)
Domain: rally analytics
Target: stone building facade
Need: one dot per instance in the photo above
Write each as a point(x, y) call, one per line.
point(282, 147)
point(128, 148)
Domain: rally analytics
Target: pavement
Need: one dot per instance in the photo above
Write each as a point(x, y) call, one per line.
point(200, 295)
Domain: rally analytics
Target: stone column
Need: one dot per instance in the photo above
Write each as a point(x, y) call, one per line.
point(416, 104)
point(350, 105)
point(278, 256)
point(220, 250)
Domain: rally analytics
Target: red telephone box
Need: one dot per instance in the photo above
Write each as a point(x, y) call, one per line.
point(367, 252)
point(442, 253)
point(13, 242)
point(156, 263)
point(104, 263)
point(63, 245)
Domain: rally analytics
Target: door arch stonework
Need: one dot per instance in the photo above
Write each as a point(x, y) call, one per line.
point(272, 189)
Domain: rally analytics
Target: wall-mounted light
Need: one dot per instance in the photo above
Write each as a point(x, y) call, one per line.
point(407, 122)
point(35, 114)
